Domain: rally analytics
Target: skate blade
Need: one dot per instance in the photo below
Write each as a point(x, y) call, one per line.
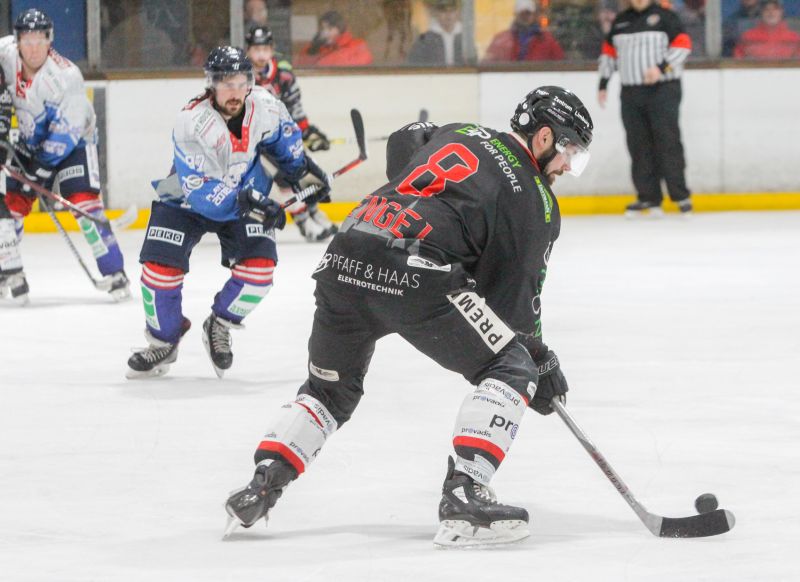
point(120, 295)
point(651, 214)
point(218, 371)
point(461, 534)
point(233, 524)
point(157, 372)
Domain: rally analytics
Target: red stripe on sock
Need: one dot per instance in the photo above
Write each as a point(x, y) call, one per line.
point(284, 452)
point(311, 412)
point(475, 443)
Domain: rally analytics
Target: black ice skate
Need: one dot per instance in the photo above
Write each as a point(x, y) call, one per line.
point(247, 505)
point(685, 206)
point(15, 287)
point(155, 359)
point(470, 515)
point(217, 340)
point(643, 209)
point(119, 287)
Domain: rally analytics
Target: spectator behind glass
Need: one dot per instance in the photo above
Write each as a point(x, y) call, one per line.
point(525, 40)
point(443, 43)
point(693, 16)
point(590, 43)
point(255, 13)
point(334, 46)
point(745, 18)
point(771, 38)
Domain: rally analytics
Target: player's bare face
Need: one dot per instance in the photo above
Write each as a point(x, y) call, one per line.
point(260, 55)
point(33, 48)
point(230, 93)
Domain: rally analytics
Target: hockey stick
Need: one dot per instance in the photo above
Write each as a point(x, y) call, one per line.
point(125, 219)
point(421, 118)
point(712, 523)
point(358, 128)
point(98, 283)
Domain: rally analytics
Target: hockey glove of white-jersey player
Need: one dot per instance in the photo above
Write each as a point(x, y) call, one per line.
point(315, 140)
point(311, 174)
point(253, 204)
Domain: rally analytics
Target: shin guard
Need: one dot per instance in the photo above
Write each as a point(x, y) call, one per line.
point(297, 433)
point(161, 295)
point(485, 428)
point(251, 280)
point(10, 258)
point(100, 238)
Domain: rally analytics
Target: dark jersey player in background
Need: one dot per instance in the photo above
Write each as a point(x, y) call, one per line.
point(278, 78)
point(452, 255)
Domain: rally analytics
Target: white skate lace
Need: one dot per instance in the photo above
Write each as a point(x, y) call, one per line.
point(220, 338)
point(153, 354)
point(484, 493)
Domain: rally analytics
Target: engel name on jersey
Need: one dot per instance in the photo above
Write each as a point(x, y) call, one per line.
point(469, 203)
point(211, 165)
point(55, 116)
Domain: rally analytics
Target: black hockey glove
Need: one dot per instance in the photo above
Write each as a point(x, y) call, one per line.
point(253, 204)
point(551, 383)
point(36, 172)
point(310, 174)
point(315, 140)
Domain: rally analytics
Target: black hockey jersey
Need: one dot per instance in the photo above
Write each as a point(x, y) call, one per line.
point(470, 205)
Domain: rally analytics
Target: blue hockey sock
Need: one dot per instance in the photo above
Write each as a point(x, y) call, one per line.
point(251, 280)
point(161, 295)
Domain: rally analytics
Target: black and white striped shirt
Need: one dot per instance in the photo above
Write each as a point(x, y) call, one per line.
point(638, 41)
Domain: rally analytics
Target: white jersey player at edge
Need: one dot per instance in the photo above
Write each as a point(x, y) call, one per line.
point(219, 185)
point(57, 145)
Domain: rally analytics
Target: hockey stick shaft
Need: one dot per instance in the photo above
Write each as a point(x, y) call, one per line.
point(42, 191)
point(604, 465)
point(358, 128)
point(70, 245)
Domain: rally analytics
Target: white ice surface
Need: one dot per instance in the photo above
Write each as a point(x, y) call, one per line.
point(680, 340)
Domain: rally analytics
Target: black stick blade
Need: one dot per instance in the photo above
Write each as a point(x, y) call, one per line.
point(703, 525)
point(423, 115)
point(358, 127)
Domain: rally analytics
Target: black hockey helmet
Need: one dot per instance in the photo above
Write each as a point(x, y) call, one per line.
point(31, 20)
point(225, 61)
point(565, 114)
point(259, 35)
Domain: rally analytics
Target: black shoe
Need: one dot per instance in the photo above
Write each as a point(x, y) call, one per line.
point(470, 515)
point(155, 359)
point(252, 502)
point(685, 206)
point(642, 208)
point(217, 340)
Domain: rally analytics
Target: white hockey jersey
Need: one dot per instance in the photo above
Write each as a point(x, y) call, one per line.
point(211, 165)
point(55, 116)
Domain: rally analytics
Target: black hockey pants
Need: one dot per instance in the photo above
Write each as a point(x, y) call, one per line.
point(454, 334)
point(650, 117)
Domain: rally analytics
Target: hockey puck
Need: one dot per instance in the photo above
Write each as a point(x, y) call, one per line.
point(706, 503)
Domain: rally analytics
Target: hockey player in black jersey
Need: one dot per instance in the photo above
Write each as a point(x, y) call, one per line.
point(452, 255)
point(276, 76)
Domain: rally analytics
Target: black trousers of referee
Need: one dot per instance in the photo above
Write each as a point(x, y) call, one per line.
point(650, 117)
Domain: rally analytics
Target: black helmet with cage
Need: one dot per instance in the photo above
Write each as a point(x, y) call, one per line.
point(226, 61)
point(567, 117)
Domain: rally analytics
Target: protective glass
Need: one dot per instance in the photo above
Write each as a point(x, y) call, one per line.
point(230, 82)
point(577, 156)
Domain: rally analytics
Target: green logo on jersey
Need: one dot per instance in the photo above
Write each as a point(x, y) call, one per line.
point(474, 130)
point(547, 200)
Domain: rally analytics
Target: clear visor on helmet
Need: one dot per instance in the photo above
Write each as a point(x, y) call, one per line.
point(230, 81)
point(576, 156)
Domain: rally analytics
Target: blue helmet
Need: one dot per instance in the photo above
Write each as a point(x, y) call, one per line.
point(31, 20)
point(225, 61)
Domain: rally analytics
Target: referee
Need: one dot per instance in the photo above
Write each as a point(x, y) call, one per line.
point(648, 45)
